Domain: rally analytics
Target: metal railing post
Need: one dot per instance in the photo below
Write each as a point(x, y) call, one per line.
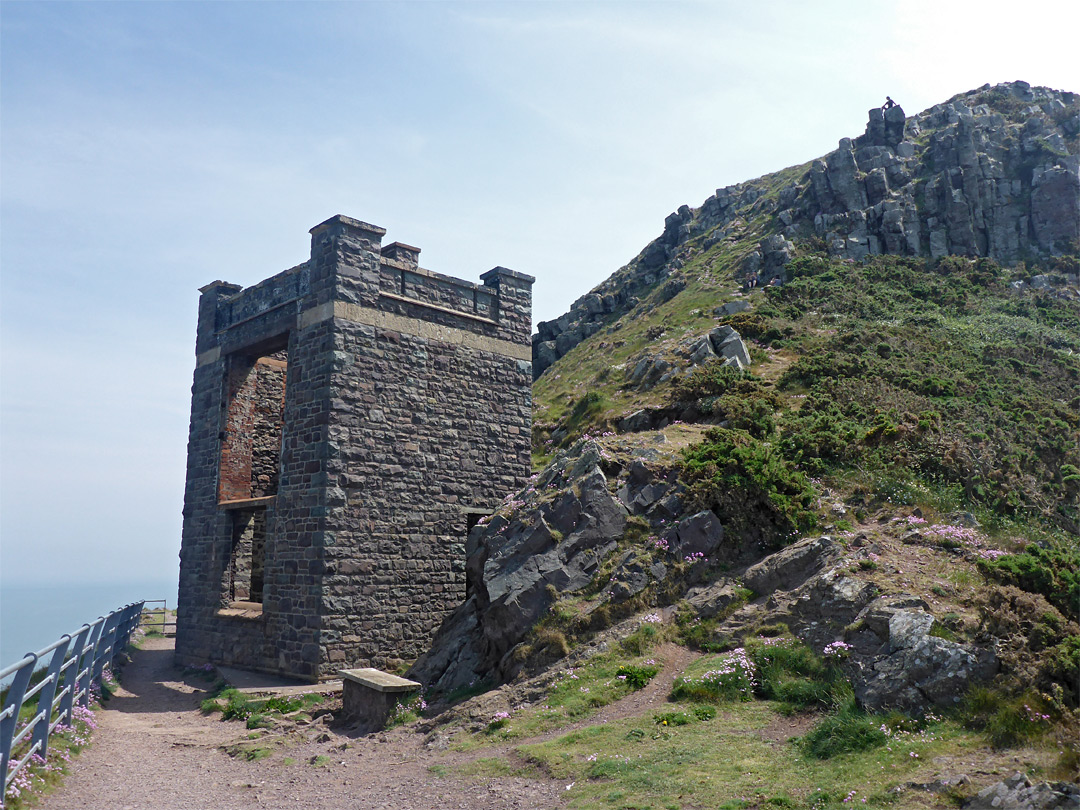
point(105, 645)
point(86, 662)
point(9, 716)
point(46, 695)
point(71, 678)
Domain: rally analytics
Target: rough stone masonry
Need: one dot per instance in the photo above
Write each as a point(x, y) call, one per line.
point(351, 419)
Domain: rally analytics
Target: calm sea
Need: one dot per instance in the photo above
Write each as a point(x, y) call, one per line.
point(34, 616)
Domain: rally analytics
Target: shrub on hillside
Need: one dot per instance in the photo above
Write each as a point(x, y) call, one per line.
point(934, 368)
point(790, 672)
point(753, 489)
point(1053, 572)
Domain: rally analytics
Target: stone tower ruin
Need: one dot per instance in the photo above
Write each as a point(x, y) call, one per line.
point(351, 419)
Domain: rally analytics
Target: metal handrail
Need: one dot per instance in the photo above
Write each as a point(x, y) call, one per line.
point(69, 677)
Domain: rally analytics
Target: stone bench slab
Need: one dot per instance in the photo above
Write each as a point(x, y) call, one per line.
point(369, 696)
point(378, 680)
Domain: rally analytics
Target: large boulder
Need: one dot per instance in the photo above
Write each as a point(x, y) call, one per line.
point(894, 126)
point(728, 344)
point(920, 671)
point(700, 533)
point(878, 614)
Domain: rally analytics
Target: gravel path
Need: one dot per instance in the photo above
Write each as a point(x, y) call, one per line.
point(155, 749)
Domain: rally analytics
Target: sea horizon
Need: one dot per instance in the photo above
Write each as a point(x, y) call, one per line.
point(33, 616)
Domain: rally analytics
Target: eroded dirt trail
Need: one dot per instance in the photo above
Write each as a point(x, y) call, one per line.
point(154, 750)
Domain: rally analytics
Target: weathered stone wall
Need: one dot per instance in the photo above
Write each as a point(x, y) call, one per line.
point(406, 406)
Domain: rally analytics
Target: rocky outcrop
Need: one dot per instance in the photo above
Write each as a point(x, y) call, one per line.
point(722, 343)
point(791, 566)
point(993, 172)
point(895, 662)
point(560, 545)
point(551, 539)
point(918, 670)
point(1020, 793)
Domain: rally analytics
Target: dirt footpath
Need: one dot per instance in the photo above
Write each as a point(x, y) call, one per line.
point(154, 750)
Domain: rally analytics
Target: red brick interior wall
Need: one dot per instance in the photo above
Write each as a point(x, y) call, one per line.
point(251, 448)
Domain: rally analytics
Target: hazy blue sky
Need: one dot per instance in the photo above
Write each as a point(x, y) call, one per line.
point(149, 148)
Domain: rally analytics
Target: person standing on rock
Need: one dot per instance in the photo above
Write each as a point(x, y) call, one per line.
point(889, 103)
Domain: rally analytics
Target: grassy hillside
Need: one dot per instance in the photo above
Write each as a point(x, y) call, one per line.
point(894, 375)
point(923, 413)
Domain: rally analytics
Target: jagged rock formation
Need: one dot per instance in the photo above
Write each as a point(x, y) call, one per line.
point(552, 538)
point(895, 662)
point(992, 172)
point(722, 343)
point(556, 535)
point(515, 562)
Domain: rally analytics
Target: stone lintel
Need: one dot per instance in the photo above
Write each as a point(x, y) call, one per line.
point(378, 680)
point(241, 610)
point(248, 503)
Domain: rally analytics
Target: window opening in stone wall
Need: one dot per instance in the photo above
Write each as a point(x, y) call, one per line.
point(253, 422)
point(244, 576)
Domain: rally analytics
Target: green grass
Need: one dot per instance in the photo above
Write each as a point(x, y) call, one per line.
point(236, 705)
point(579, 692)
point(1009, 720)
point(488, 768)
point(636, 676)
point(632, 763)
point(847, 731)
point(781, 669)
point(254, 749)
